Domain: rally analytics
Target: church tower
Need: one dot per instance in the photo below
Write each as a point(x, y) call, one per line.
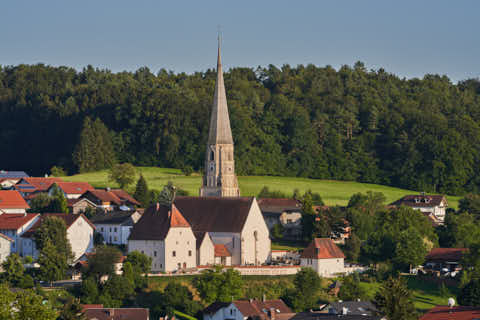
point(219, 179)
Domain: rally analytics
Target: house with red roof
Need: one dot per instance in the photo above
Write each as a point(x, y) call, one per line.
point(323, 256)
point(111, 199)
point(445, 259)
point(248, 309)
point(98, 312)
point(71, 190)
point(12, 202)
point(79, 233)
point(452, 313)
point(14, 225)
point(31, 186)
point(427, 204)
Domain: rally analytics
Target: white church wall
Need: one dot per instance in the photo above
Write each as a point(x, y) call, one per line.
point(256, 241)
point(232, 241)
point(180, 249)
point(206, 252)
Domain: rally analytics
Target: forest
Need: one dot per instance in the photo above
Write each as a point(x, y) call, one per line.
point(306, 121)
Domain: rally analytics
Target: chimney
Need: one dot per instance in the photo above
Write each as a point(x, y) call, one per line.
point(344, 311)
point(158, 206)
point(108, 189)
point(264, 298)
point(272, 313)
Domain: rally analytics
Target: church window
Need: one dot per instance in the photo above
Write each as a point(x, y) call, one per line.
point(101, 229)
point(154, 253)
point(233, 242)
point(174, 254)
point(189, 253)
point(212, 156)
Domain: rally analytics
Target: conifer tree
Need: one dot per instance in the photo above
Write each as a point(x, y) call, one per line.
point(141, 191)
point(59, 203)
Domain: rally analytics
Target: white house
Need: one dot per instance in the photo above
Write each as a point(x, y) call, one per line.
point(163, 234)
point(14, 225)
point(323, 256)
point(11, 201)
point(115, 227)
point(428, 204)
point(5, 247)
point(79, 233)
point(71, 190)
point(247, 309)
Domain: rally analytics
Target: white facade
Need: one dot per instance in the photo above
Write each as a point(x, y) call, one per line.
point(5, 248)
point(228, 312)
point(79, 234)
point(255, 239)
point(114, 233)
point(325, 267)
point(16, 235)
point(206, 252)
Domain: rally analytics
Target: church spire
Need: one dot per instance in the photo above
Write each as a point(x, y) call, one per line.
point(219, 178)
point(220, 131)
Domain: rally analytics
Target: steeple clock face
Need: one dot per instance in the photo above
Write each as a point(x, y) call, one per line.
point(212, 166)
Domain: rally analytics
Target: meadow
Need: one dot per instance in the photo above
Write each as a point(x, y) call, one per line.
point(333, 192)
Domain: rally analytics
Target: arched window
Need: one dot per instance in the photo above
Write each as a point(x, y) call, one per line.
point(212, 156)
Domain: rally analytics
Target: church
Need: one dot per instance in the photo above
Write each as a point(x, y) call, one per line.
point(220, 226)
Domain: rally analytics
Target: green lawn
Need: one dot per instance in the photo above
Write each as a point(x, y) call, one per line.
point(426, 295)
point(332, 192)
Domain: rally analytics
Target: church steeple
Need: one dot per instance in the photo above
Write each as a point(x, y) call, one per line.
point(219, 178)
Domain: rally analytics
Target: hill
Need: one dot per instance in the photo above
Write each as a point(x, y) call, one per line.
point(333, 192)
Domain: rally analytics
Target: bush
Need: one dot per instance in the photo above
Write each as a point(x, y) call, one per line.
point(57, 171)
point(187, 170)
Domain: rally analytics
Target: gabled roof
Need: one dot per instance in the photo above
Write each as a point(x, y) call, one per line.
point(74, 187)
point(322, 248)
point(420, 200)
point(215, 214)
point(222, 251)
point(252, 308)
point(115, 196)
point(354, 307)
point(200, 236)
point(116, 313)
point(6, 237)
point(115, 217)
point(274, 205)
point(9, 221)
point(456, 313)
point(123, 195)
point(325, 316)
point(446, 254)
point(11, 199)
point(67, 217)
point(39, 183)
point(12, 174)
point(156, 222)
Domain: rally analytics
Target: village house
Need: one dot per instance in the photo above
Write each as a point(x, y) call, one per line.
point(446, 259)
point(427, 204)
point(5, 247)
point(115, 226)
point(111, 199)
point(285, 212)
point(452, 313)
point(71, 190)
point(163, 234)
point(79, 233)
point(12, 202)
point(80, 205)
point(14, 225)
point(315, 315)
point(356, 308)
point(248, 309)
point(323, 256)
point(29, 187)
point(98, 312)
point(9, 178)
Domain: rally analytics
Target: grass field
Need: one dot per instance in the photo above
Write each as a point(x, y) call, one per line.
point(332, 192)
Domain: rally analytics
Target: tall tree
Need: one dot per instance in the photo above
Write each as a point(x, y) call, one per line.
point(141, 191)
point(58, 202)
point(123, 174)
point(395, 301)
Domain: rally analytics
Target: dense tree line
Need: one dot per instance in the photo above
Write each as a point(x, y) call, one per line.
point(347, 124)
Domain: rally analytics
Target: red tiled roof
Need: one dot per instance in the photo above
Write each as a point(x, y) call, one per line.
point(116, 313)
point(456, 313)
point(11, 199)
point(74, 187)
point(90, 306)
point(252, 308)
point(156, 221)
point(425, 201)
point(122, 194)
point(446, 254)
point(6, 237)
point(322, 248)
point(115, 196)
point(278, 204)
point(15, 221)
point(67, 217)
point(40, 183)
point(222, 251)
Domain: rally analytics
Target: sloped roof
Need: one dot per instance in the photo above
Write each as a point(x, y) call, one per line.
point(122, 194)
point(115, 217)
point(199, 235)
point(116, 313)
point(74, 187)
point(215, 214)
point(446, 254)
point(354, 307)
point(274, 205)
point(67, 217)
point(252, 308)
point(325, 316)
point(11, 199)
point(6, 237)
point(116, 196)
point(39, 183)
point(156, 221)
point(222, 251)
point(456, 313)
point(9, 221)
point(12, 174)
point(425, 201)
point(322, 248)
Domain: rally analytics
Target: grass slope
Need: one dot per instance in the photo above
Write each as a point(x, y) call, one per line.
point(332, 192)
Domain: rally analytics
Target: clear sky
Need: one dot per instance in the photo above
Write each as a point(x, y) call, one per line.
point(408, 38)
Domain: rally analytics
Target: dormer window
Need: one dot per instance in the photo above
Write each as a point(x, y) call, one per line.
point(212, 156)
point(417, 200)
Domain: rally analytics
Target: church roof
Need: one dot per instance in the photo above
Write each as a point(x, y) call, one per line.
point(156, 222)
point(322, 248)
point(215, 214)
point(220, 131)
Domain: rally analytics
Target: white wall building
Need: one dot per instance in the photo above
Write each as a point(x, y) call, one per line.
point(115, 227)
point(247, 309)
point(5, 247)
point(79, 233)
point(428, 204)
point(323, 256)
point(15, 225)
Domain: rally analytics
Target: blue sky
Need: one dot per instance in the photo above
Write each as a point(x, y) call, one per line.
point(408, 38)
